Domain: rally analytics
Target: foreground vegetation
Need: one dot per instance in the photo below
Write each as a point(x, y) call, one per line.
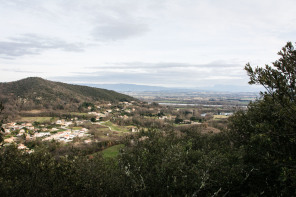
point(254, 156)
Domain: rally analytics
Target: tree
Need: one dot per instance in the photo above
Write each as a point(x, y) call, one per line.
point(267, 130)
point(1, 122)
point(279, 80)
point(178, 120)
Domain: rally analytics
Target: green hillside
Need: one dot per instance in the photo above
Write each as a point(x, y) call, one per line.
point(38, 91)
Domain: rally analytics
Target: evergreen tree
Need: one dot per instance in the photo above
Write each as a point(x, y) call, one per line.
point(267, 130)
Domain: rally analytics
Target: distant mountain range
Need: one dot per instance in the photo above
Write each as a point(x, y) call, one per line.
point(234, 88)
point(41, 92)
point(146, 88)
point(130, 87)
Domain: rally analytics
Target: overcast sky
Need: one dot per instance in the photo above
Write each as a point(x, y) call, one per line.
point(173, 43)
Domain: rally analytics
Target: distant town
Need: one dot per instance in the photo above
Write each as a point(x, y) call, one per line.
point(112, 121)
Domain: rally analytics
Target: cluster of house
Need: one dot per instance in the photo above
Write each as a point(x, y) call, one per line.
point(100, 115)
point(166, 117)
point(107, 112)
point(226, 113)
point(13, 126)
point(66, 136)
point(15, 131)
point(127, 103)
point(29, 132)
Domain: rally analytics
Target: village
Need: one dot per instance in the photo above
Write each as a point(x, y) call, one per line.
point(102, 122)
point(26, 131)
point(60, 130)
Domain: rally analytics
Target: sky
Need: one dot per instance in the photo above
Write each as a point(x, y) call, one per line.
point(171, 43)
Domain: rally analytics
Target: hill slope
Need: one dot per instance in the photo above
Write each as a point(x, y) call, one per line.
point(44, 92)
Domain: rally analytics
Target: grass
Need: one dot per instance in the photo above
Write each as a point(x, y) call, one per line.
point(178, 125)
point(76, 128)
point(115, 127)
point(103, 129)
point(181, 125)
point(216, 117)
point(37, 119)
point(112, 151)
point(79, 114)
point(8, 136)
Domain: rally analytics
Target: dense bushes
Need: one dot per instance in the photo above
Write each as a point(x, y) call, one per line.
point(170, 163)
point(153, 163)
point(40, 174)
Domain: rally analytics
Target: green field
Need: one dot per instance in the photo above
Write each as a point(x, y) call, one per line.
point(36, 119)
point(80, 114)
point(76, 128)
point(103, 129)
point(112, 151)
point(115, 127)
point(217, 117)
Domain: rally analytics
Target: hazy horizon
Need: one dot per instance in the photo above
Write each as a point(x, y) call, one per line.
point(124, 87)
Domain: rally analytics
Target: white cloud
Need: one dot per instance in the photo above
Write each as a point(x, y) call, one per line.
point(167, 42)
point(118, 30)
point(165, 73)
point(29, 44)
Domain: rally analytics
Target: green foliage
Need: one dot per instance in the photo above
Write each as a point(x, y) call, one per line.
point(193, 118)
point(160, 114)
point(154, 104)
point(86, 105)
point(39, 173)
point(153, 163)
point(36, 124)
point(267, 130)
point(1, 122)
point(178, 120)
point(172, 165)
point(112, 151)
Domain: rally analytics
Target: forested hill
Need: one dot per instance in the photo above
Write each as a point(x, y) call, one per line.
point(40, 91)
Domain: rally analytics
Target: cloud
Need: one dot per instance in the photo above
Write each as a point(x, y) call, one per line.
point(160, 42)
point(165, 74)
point(163, 65)
point(118, 31)
point(28, 44)
point(17, 70)
point(120, 20)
